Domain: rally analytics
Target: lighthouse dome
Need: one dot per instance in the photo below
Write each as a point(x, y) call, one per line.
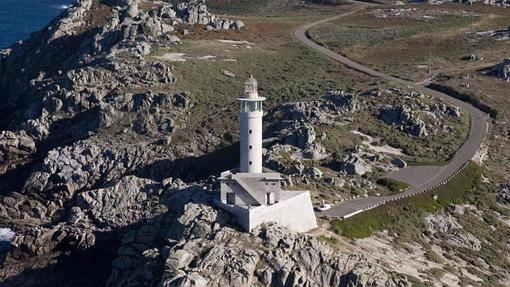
point(251, 88)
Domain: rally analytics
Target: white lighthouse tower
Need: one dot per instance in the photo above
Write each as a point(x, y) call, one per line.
point(251, 128)
point(252, 194)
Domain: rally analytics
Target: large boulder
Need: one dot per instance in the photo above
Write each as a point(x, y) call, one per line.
point(354, 164)
point(441, 223)
point(502, 70)
point(303, 136)
point(403, 118)
point(125, 202)
point(195, 12)
point(15, 149)
point(503, 194)
point(315, 151)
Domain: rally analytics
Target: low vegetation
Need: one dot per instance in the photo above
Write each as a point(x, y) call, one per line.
point(405, 217)
point(394, 186)
point(329, 240)
point(389, 43)
point(281, 79)
point(269, 8)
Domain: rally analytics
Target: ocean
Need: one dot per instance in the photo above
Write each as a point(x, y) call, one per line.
point(6, 235)
point(19, 18)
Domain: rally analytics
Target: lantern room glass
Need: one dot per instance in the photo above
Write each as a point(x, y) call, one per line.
point(251, 106)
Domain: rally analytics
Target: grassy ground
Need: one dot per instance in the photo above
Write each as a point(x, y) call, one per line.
point(338, 138)
point(286, 72)
point(253, 7)
point(267, 8)
point(435, 148)
point(391, 44)
point(406, 216)
point(496, 94)
point(394, 186)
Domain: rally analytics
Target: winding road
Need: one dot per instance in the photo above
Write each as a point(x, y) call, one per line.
point(421, 178)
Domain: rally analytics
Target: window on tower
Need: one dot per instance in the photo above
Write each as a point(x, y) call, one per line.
point(251, 106)
point(231, 198)
point(251, 132)
point(251, 147)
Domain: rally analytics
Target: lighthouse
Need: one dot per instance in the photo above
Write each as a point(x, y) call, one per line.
point(252, 193)
point(251, 128)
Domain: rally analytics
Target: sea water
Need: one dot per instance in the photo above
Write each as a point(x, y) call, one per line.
point(6, 235)
point(19, 18)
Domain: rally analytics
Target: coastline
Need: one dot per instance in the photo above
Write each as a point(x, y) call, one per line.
point(20, 18)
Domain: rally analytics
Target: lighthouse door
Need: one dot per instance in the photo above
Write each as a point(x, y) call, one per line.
point(269, 198)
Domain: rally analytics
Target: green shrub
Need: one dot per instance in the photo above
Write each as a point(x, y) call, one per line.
point(405, 217)
point(394, 186)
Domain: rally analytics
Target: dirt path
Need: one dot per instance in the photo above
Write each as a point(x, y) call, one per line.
point(422, 178)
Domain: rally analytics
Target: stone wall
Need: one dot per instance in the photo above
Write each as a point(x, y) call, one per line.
point(295, 212)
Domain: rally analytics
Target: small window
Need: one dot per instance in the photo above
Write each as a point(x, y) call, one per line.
point(269, 198)
point(251, 163)
point(251, 147)
point(274, 184)
point(251, 132)
point(267, 183)
point(231, 198)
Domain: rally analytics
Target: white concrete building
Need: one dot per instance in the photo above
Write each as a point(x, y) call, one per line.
point(253, 194)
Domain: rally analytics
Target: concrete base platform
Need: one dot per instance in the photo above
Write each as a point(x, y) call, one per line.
point(294, 211)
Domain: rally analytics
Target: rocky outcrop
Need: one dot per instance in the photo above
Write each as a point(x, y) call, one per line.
point(74, 19)
point(497, 3)
point(95, 120)
point(503, 194)
point(416, 115)
point(201, 247)
point(295, 122)
point(195, 12)
point(465, 240)
point(125, 202)
point(502, 70)
point(66, 171)
point(447, 228)
point(40, 241)
point(354, 164)
point(500, 35)
point(402, 118)
point(315, 151)
point(440, 223)
point(333, 104)
point(15, 149)
point(66, 83)
point(299, 135)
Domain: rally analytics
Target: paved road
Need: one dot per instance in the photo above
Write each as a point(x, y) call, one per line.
point(422, 178)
